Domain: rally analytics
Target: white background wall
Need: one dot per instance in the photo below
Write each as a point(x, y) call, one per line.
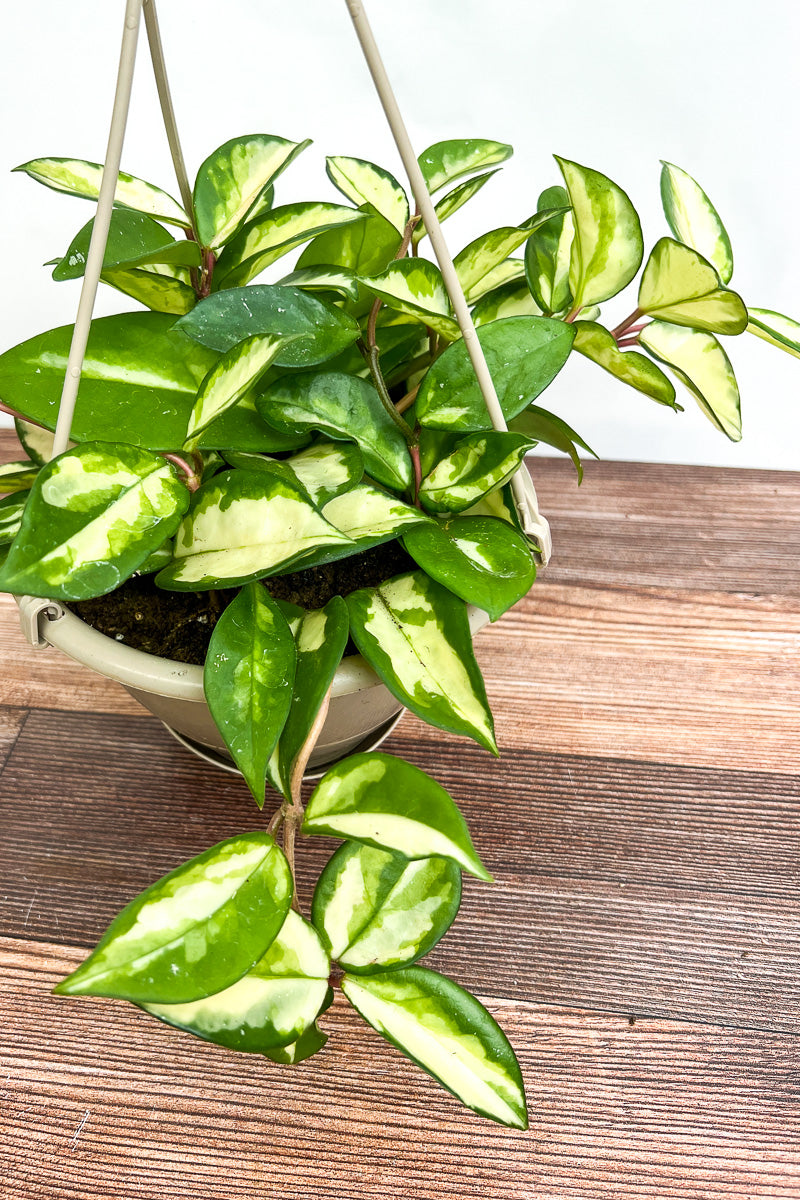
point(708, 84)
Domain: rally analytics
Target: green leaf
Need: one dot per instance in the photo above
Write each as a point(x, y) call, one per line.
point(377, 910)
point(386, 802)
point(364, 247)
point(133, 240)
point(415, 287)
point(693, 219)
point(415, 634)
point(263, 241)
point(364, 183)
point(247, 681)
point(232, 181)
point(484, 561)
point(227, 381)
point(80, 178)
point(336, 280)
point(444, 162)
point(607, 248)
point(453, 201)
point(448, 1033)
point(596, 343)
point(17, 476)
point(546, 427)
point(341, 407)
point(244, 525)
point(490, 250)
point(161, 293)
point(776, 329)
point(320, 639)
point(547, 255)
point(310, 1042)
point(326, 470)
point(511, 299)
point(524, 355)
point(369, 516)
point(95, 514)
point(702, 365)
point(478, 464)
point(271, 1006)
point(194, 932)
point(681, 287)
point(278, 468)
point(318, 330)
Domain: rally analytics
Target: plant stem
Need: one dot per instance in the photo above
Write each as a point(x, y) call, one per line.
point(206, 274)
point(293, 811)
point(625, 325)
point(372, 358)
point(414, 451)
point(189, 472)
point(407, 400)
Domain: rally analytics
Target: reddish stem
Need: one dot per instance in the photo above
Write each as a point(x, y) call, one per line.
point(192, 480)
point(414, 452)
point(625, 325)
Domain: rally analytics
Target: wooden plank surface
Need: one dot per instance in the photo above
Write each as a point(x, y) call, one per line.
point(640, 945)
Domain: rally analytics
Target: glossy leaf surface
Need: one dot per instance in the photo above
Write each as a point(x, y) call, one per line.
point(229, 379)
point(271, 1006)
point(776, 329)
point(17, 476)
point(596, 343)
point(364, 183)
point(544, 426)
point(477, 260)
point(453, 201)
point(326, 469)
point(326, 280)
point(512, 299)
point(702, 365)
point(364, 247)
point(386, 802)
point(478, 464)
point(547, 255)
point(248, 676)
point(194, 932)
point(448, 1033)
point(310, 1042)
point(269, 237)
point(681, 287)
point(133, 240)
point(35, 441)
point(416, 636)
point(693, 219)
point(415, 287)
point(376, 910)
point(11, 510)
point(370, 516)
point(80, 178)
point(444, 162)
point(161, 293)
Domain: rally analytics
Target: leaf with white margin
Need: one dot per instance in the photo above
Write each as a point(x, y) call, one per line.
point(364, 247)
point(245, 525)
point(232, 181)
point(11, 510)
point(693, 219)
point(377, 910)
point(544, 426)
point(512, 270)
point(247, 681)
point(310, 1042)
point(511, 299)
point(342, 407)
point(269, 237)
point(681, 287)
point(365, 183)
point(478, 464)
point(475, 262)
point(324, 279)
point(776, 329)
point(229, 379)
point(80, 178)
point(597, 344)
point(370, 516)
point(271, 1006)
point(315, 331)
point(133, 240)
point(444, 162)
point(194, 932)
point(453, 201)
point(95, 514)
point(607, 248)
point(547, 255)
point(161, 293)
point(35, 441)
point(386, 802)
point(415, 634)
point(415, 287)
point(17, 476)
point(484, 561)
point(524, 355)
point(320, 639)
point(448, 1033)
point(326, 469)
point(702, 365)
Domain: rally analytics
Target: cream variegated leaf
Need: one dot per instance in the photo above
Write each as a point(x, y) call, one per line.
point(511, 299)
point(161, 293)
point(699, 361)
point(415, 287)
point(596, 343)
point(681, 287)
point(773, 327)
point(370, 516)
point(327, 468)
point(337, 280)
point(477, 264)
point(365, 183)
point(17, 476)
point(227, 381)
point(478, 464)
point(453, 201)
point(548, 253)
point(445, 162)
point(269, 237)
point(80, 178)
point(693, 219)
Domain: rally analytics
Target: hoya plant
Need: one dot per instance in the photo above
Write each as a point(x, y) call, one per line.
point(232, 432)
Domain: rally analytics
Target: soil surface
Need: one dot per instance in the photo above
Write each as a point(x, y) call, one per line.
point(178, 625)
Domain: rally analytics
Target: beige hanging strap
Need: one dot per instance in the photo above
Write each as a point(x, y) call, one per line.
point(165, 98)
point(533, 523)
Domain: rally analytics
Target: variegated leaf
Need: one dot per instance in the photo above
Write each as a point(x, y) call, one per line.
point(386, 802)
point(232, 180)
point(512, 299)
point(247, 680)
point(415, 287)
point(693, 219)
point(80, 178)
point(95, 514)
point(271, 1006)
point(325, 280)
point(498, 504)
point(342, 407)
point(229, 379)
point(11, 510)
point(35, 441)
point(484, 561)
point(369, 516)
point(511, 270)
point(607, 247)
point(478, 464)
point(364, 183)
point(320, 640)
point(269, 237)
point(244, 525)
point(317, 331)
point(448, 1033)
point(310, 1042)
point(776, 329)
point(453, 201)
point(365, 248)
point(326, 469)
point(416, 635)
point(548, 253)
point(376, 910)
point(702, 365)
point(475, 262)
point(161, 293)
point(17, 476)
point(277, 467)
point(524, 355)
point(134, 240)
point(596, 343)
point(194, 932)
point(681, 287)
point(445, 162)
point(544, 426)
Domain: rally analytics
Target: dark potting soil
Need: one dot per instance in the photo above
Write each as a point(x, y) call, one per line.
point(179, 625)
